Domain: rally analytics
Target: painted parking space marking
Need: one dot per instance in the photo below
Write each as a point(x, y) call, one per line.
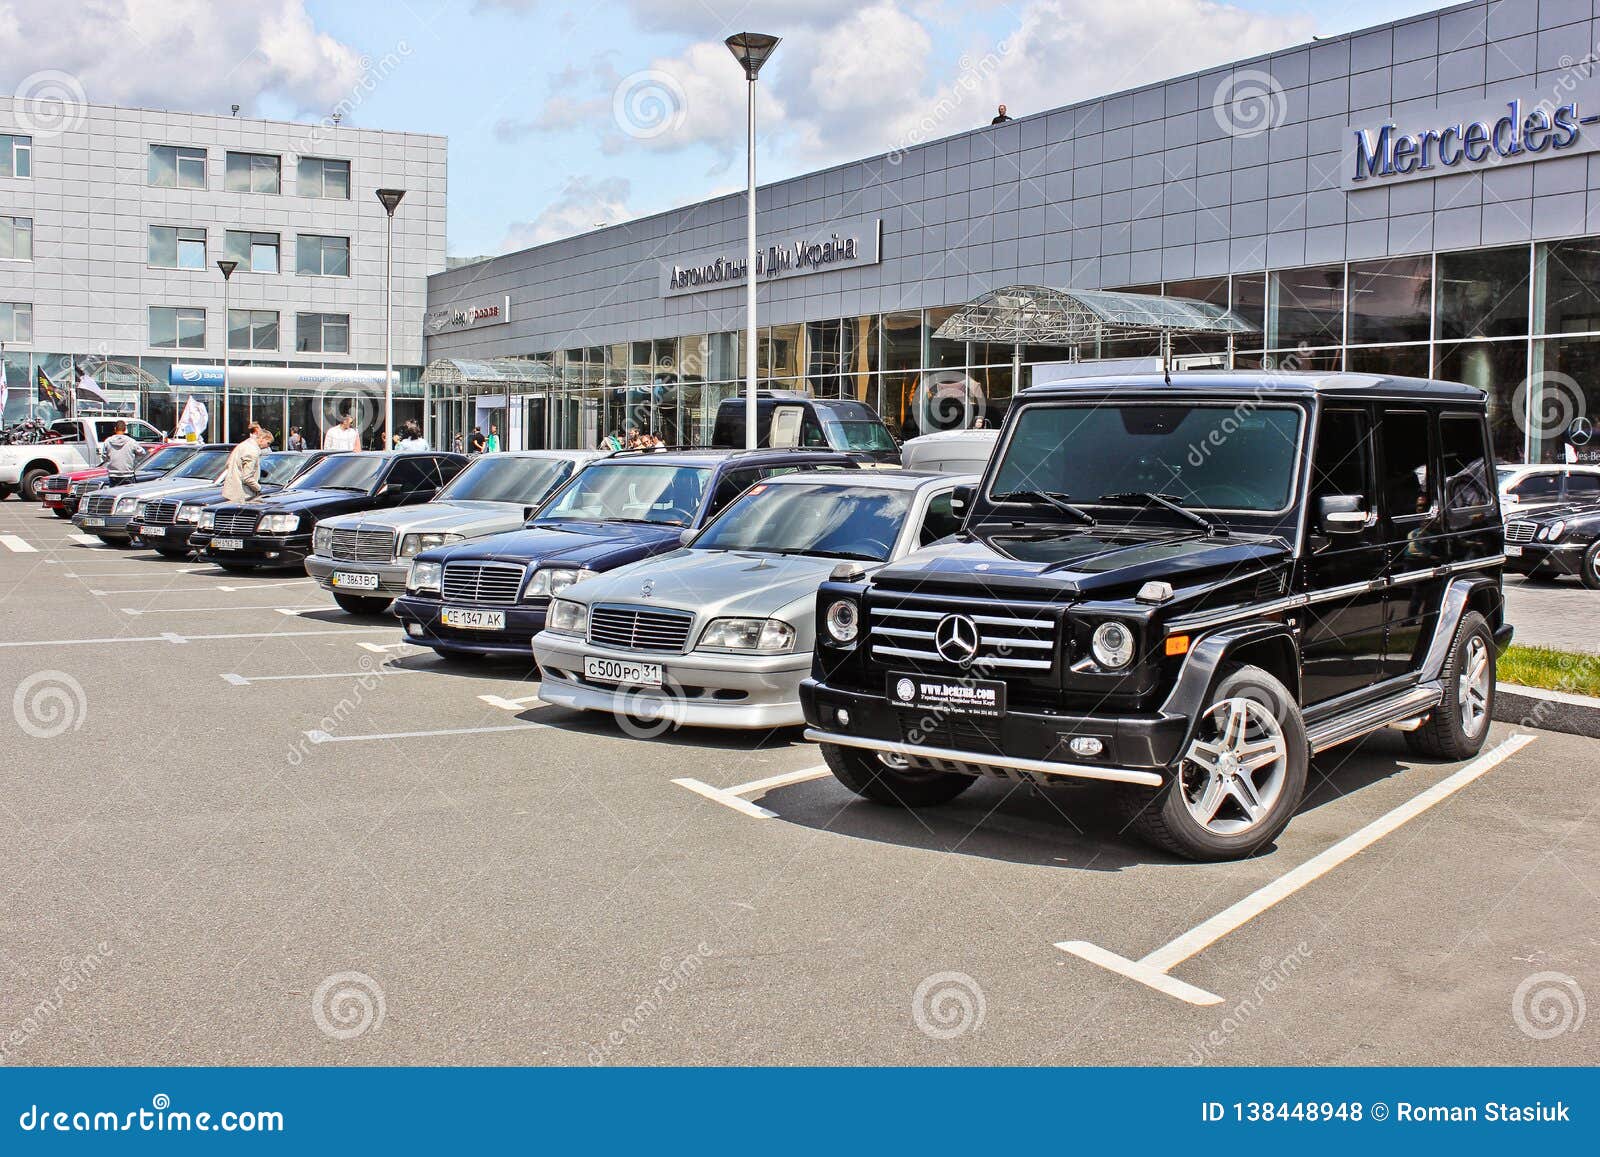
point(384, 736)
point(209, 610)
point(1153, 968)
point(226, 588)
point(734, 796)
point(384, 648)
point(152, 573)
point(510, 704)
point(17, 545)
point(380, 671)
point(88, 540)
point(172, 637)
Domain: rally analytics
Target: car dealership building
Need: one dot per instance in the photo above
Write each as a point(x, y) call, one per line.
point(1420, 198)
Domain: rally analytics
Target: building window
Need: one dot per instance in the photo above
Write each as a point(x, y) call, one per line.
point(16, 321)
point(324, 178)
point(1566, 297)
point(322, 333)
point(1306, 307)
point(16, 156)
point(252, 329)
point(256, 252)
point(1391, 301)
point(252, 173)
point(177, 247)
point(320, 256)
point(16, 238)
point(179, 327)
point(176, 167)
point(1483, 293)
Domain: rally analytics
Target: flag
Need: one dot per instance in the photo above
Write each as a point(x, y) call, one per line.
point(49, 393)
point(89, 388)
point(192, 423)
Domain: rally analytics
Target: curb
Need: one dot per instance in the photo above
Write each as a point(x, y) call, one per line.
point(1550, 710)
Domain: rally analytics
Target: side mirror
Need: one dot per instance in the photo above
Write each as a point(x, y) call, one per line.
point(1341, 514)
point(961, 499)
point(686, 536)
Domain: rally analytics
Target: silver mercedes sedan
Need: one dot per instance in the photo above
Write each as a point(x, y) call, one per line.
point(720, 633)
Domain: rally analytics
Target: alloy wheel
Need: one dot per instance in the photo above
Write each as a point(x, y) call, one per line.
point(1234, 770)
point(1472, 688)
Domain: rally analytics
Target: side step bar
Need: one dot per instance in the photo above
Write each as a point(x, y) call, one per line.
point(1406, 707)
point(972, 763)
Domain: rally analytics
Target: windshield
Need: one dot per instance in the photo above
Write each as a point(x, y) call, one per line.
point(631, 493)
point(280, 467)
point(498, 478)
point(166, 459)
point(1211, 456)
point(824, 518)
point(206, 464)
point(341, 472)
point(1502, 474)
point(848, 433)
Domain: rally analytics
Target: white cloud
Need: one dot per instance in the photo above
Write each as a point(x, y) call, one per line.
point(189, 54)
point(583, 202)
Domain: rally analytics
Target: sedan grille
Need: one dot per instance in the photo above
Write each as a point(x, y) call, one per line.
point(237, 521)
point(55, 484)
point(1519, 531)
point(494, 583)
point(640, 629)
point(160, 513)
point(100, 504)
point(363, 545)
point(1011, 636)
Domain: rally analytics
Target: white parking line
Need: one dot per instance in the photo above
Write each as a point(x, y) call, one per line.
point(204, 610)
point(170, 637)
point(381, 672)
point(509, 704)
point(224, 587)
point(1152, 969)
point(734, 796)
point(324, 737)
point(151, 573)
point(87, 539)
point(383, 648)
point(17, 545)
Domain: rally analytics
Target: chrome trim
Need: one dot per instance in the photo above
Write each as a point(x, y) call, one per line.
point(1373, 717)
point(981, 663)
point(1199, 620)
point(1346, 591)
point(970, 759)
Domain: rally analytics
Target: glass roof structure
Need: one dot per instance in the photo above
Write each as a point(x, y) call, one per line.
point(445, 373)
point(1040, 315)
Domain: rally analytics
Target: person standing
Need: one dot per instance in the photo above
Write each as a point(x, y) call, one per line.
point(344, 436)
point(476, 445)
point(494, 439)
point(297, 440)
point(1000, 117)
point(411, 439)
point(121, 455)
point(241, 479)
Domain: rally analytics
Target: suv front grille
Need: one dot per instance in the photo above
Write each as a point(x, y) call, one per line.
point(977, 734)
point(494, 583)
point(1519, 531)
point(160, 513)
point(639, 629)
point(363, 545)
point(1011, 636)
point(236, 521)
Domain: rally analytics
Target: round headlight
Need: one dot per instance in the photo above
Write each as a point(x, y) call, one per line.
point(1112, 645)
point(1555, 530)
point(843, 620)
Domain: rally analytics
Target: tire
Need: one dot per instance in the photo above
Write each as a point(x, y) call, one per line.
point(362, 605)
point(30, 484)
point(1458, 726)
point(1589, 571)
point(870, 778)
point(60, 512)
point(1270, 728)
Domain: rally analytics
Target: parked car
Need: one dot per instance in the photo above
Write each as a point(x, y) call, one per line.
point(1526, 489)
point(107, 513)
point(73, 444)
point(363, 558)
point(62, 493)
point(1563, 540)
point(792, 418)
point(950, 451)
point(165, 523)
point(274, 532)
point(1218, 599)
point(489, 596)
point(720, 633)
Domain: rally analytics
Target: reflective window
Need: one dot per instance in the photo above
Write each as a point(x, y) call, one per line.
point(177, 327)
point(1464, 456)
point(902, 340)
point(1391, 301)
point(323, 178)
point(322, 256)
point(1209, 289)
point(1568, 293)
point(255, 252)
point(507, 478)
point(16, 321)
point(1306, 306)
point(1250, 303)
point(1497, 368)
point(253, 329)
point(1407, 489)
point(1407, 361)
point(16, 156)
point(322, 333)
point(942, 352)
point(176, 247)
point(205, 464)
point(823, 519)
point(356, 472)
point(1483, 293)
point(16, 238)
point(252, 173)
point(177, 167)
point(1564, 387)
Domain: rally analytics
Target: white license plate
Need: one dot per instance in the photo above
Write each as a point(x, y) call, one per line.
point(471, 620)
point(1513, 551)
point(227, 544)
point(153, 532)
point(94, 521)
point(619, 671)
point(355, 582)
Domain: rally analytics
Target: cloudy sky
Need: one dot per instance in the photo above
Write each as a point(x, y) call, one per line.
point(564, 114)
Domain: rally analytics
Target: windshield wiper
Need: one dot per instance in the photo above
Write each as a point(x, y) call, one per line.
point(1170, 502)
point(1049, 497)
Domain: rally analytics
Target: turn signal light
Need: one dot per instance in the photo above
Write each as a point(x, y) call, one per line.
point(1177, 645)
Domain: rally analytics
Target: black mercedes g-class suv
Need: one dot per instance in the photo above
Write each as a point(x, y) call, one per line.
point(1184, 588)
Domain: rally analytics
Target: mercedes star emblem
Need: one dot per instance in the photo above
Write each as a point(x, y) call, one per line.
point(905, 690)
point(1581, 431)
point(647, 588)
point(956, 638)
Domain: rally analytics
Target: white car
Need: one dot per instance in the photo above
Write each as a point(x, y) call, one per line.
point(1526, 489)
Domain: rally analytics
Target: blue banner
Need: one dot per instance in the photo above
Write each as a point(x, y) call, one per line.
point(181, 375)
point(763, 1111)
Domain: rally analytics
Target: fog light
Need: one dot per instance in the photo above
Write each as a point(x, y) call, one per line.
point(843, 716)
point(1086, 745)
point(414, 629)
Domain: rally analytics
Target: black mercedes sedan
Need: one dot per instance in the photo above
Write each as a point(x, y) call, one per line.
point(1564, 540)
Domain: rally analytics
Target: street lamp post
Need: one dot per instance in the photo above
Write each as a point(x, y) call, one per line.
point(751, 50)
point(391, 199)
point(227, 268)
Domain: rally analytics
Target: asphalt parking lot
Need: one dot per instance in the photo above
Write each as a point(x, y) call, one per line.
point(242, 827)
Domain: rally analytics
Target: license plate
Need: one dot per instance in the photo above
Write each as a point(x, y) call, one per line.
point(153, 532)
point(94, 521)
point(354, 581)
point(955, 696)
point(621, 671)
point(1513, 551)
point(471, 620)
point(227, 544)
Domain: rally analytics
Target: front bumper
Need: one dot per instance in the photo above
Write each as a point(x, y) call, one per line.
point(170, 536)
point(1547, 558)
point(420, 616)
point(700, 689)
point(1030, 746)
point(391, 576)
point(111, 526)
point(267, 551)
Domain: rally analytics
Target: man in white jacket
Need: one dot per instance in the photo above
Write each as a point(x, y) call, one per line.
point(241, 481)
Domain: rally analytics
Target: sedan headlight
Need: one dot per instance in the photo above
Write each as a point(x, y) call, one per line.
point(550, 582)
point(1112, 644)
point(772, 636)
point(188, 514)
point(208, 520)
point(138, 511)
point(568, 617)
point(126, 505)
point(279, 523)
point(322, 540)
point(1554, 531)
point(842, 620)
point(424, 576)
point(412, 545)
